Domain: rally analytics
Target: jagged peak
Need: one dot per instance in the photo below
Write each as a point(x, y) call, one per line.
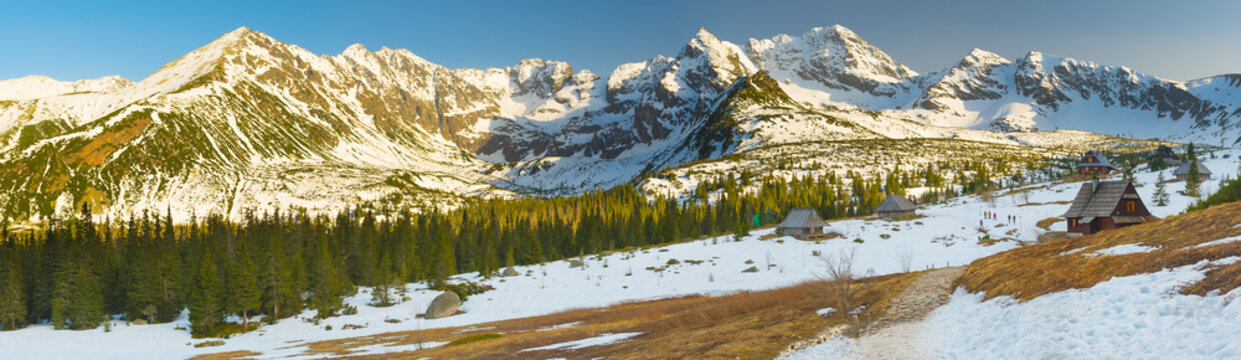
point(705, 35)
point(241, 34)
point(835, 32)
point(982, 57)
point(355, 50)
point(704, 40)
point(843, 32)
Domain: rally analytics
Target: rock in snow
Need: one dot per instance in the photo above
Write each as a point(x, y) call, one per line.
point(444, 305)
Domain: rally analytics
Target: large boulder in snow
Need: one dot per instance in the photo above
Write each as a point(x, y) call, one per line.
point(510, 272)
point(444, 305)
point(576, 263)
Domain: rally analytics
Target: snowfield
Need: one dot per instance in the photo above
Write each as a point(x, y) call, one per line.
point(1132, 317)
point(1127, 315)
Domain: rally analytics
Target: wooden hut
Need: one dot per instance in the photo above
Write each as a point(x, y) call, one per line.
point(1102, 205)
point(1094, 163)
point(1165, 154)
point(802, 224)
point(896, 206)
point(1183, 171)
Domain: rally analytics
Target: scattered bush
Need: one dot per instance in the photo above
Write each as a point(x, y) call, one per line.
point(465, 289)
point(209, 343)
point(474, 338)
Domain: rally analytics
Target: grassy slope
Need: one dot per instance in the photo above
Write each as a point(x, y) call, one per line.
point(750, 325)
point(1032, 271)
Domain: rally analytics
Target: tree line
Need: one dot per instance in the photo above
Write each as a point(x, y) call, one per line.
point(79, 270)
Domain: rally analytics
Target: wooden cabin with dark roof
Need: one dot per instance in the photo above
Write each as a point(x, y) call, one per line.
point(802, 224)
point(1182, 172)
point(1094, 163)
point(1103, 205)
point(1165, 154)
point(896, 206)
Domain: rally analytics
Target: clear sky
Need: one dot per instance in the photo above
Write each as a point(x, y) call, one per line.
point(1179, 40)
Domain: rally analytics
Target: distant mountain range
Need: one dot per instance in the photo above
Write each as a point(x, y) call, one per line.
point(248, 122)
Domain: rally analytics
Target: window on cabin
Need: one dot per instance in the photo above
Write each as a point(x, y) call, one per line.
point(1072, 222)
point(1130, 206)
point(1102, 222)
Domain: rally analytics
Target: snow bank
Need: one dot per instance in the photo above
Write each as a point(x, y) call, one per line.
point(603, 339)
point(1123, 249)
point(1129, 317)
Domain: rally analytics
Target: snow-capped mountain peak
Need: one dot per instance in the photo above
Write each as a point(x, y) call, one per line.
point(37, 86)
point(833, 59)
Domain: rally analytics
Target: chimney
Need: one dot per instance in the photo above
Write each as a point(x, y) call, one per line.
point(1094, 185)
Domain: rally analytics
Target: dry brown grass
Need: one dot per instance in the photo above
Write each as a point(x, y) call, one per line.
point(231, 355)
point(750, 325)
point(1031, 271)
point(1046, 224)
point(1061, 202)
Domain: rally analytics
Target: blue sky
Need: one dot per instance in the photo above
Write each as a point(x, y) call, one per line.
point(74, 40)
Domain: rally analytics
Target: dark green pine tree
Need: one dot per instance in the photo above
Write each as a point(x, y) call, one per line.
point(145, 294)
point(12, 301)
point(206, 300)
point(86, 308)
point(1161, 191)
point(443, 263)
point(381, 293)
point(274, 281)
point(326, 282)
point(1193, 180)
point(244, 297)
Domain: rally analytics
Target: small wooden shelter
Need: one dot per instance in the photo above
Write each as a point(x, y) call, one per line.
point(896, 206)
point(1166, 154)
point(802, 223)
point(1094, 163)
point(1102, 205)
point(1182, 171)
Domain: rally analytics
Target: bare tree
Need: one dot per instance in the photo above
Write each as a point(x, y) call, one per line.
point(843, 281)
point(905, 256)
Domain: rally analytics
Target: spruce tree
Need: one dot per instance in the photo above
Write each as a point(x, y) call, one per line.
point(205, 301)
point(381, 294)
point(326, 282)
point(1158, 163)
point(86, 308)
point(1193, 180)
point(12, 300)
point(244, 296)
point(1161, 191)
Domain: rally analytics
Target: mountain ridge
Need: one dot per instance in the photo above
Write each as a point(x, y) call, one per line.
point(275, 125)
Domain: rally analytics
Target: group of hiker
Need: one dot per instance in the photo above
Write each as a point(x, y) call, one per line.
point(991, 215)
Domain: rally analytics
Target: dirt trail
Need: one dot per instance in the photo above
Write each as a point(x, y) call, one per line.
point(896, 334)
point(927, 292)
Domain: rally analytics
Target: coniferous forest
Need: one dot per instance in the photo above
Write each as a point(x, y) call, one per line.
point(79, 270)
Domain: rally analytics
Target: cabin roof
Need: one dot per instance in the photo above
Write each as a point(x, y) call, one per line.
point(1184, 169)
point(1098, 200)
point(1102, 161)
point(896, 202)
point(802, 218)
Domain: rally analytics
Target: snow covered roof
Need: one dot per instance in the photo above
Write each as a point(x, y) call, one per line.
point(1097, 199)
point(896, 202)
point(1184, 169)
point(802, 218)
point(1099, 160)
